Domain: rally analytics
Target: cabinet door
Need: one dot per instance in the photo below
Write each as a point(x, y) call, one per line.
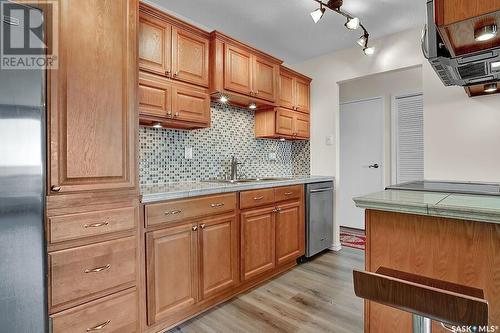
point(302, 89)
point(171, 271)
point(286, 91)
point(301, 125)
point(257, 242)
point(264, 79)
point(290, 235)
point(218, 251)
point(155, 46)
point(154, 99)
point(92, 97)
point(189, 57)
point(190, 105)
point(284, 122)
point(238, 70)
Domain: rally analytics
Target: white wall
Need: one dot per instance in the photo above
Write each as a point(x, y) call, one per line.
point(386, 85)
point(393, 52)
point(461, 134)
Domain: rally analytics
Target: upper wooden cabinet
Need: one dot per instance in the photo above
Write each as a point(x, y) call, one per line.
point(458, 19)
point(242, 73)
point(174, 104)
point(172, 48)
point(294, 90)
point(92, 98)
point(282, 123)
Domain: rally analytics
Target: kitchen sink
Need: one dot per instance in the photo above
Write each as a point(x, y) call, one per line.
point(246, 180)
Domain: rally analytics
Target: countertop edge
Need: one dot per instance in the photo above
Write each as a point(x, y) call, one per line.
point(226, 188)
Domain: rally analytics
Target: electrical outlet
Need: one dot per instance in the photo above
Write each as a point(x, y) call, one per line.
point(188, 153)
point(272, 156)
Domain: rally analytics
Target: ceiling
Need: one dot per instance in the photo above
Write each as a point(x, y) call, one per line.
point(285, 29)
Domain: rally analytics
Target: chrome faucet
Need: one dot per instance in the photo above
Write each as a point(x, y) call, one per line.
point(234, 168)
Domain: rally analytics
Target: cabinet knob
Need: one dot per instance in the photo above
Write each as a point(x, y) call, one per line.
point(176, 114)
point(202, 226)
point(257, 92)
point(176, 73)
point(195, 227)
point(55, 188)
point(167, 73)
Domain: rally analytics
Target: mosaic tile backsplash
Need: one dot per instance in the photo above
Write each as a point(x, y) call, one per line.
point(232, 133)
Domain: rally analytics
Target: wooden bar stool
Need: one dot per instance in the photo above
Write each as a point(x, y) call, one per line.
point(427, 299)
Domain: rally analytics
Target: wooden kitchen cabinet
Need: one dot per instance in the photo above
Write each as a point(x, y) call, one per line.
point(171, 270)
point(218, 250)
point(290, 232)
point(458, 19)
point(242, 73)
point(294, 90)
point(282, 123)
point(155, 46)
point(258, 243)
point(238, 70)
point(171, 103)
point(91, 98)
point(171, 48)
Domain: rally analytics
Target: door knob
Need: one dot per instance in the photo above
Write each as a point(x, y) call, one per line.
point(374, 166)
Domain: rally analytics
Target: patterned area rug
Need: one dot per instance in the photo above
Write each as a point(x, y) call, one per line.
point(354, 239)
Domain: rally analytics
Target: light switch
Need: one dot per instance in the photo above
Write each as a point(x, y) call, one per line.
point(188, 153)
point(330, 140)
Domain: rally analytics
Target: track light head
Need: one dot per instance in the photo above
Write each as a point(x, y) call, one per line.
point(362, 41)
point(369, 51)
point(352, 23)
point(318, 13)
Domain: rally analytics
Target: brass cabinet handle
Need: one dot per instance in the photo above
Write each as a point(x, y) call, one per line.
point(277, 210)
point(259, 198)
point(176, 73)
point(98, 327)
point(217, 205)
point(55, 188)
point(176, 115)
point(96, 225)
point(288, 193)
point(202, 226)
point(98, 269)
point(173, 212)
point(195, 227)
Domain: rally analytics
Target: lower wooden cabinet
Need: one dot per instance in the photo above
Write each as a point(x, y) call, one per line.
point(116, 313)
point(257, 242)
point(218, 250)
point(189, 263)
point(290, 233)
point(172, 272)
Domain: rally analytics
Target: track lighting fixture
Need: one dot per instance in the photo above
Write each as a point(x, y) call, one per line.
point(318, 13)
point(353, 23)
point(252, 106)
point(158, 125)
point(223, 99)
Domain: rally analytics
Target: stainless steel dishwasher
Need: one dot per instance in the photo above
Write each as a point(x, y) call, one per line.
point(319, 217)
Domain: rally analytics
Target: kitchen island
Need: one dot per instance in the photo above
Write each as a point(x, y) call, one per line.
point(446, 236)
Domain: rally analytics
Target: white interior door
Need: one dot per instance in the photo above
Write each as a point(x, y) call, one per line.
point(361, 157)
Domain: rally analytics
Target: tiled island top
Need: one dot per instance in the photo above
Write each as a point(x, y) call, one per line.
point(161, 192)
point(482, 208)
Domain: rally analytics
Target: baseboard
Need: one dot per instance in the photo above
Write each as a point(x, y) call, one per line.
point(335, 247)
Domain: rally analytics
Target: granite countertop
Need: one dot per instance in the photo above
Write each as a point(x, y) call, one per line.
point(482, 208)
point(162, 192)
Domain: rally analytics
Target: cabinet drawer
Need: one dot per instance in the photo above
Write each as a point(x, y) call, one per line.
point(69, 227)
point(85, 273)
point(288, 192)
point(178, 210)
point(116, 313)
point(256, 198)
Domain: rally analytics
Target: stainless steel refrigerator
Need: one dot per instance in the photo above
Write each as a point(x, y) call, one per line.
point(23, 300)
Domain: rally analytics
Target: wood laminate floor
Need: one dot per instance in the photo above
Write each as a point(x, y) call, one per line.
point(315, 297)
